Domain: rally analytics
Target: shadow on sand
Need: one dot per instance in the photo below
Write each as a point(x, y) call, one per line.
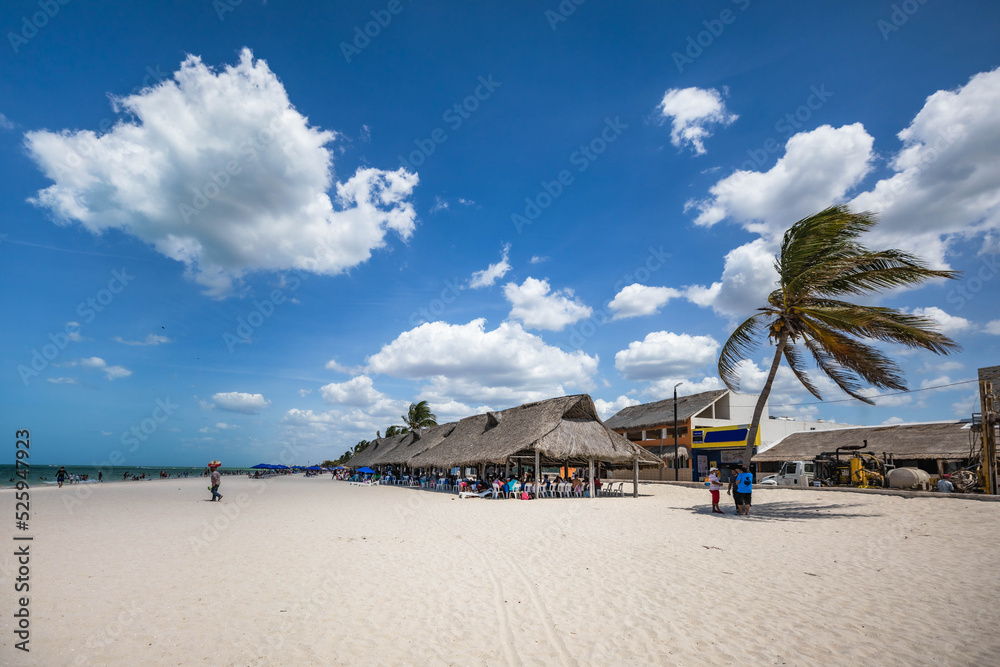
point(788, 511)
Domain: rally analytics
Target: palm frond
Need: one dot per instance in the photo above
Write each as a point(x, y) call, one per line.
point(742, 342)
point(793, 355)
point(870, 272)
point(871, 365)
point(843, 378)
point(818, 239)
point(883, 324)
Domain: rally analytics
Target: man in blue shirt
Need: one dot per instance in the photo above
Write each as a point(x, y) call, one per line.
point(744, 486)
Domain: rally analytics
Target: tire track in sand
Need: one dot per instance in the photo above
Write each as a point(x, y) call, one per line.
point(499, 604)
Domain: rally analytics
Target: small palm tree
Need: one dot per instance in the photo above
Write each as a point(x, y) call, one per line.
point(821, 261)
point(395, 430)
point(418, 416)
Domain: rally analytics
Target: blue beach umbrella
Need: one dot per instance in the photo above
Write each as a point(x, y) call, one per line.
point(262, 466)
point(365, 470)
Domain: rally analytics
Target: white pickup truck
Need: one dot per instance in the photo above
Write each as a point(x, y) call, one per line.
point(796, 473)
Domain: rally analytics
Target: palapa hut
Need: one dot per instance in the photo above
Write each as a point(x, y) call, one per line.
point(398, 450)
point(555, 432)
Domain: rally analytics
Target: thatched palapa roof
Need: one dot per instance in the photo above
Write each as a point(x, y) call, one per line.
point(559, 429)
point(936, 440)
point(650, 415)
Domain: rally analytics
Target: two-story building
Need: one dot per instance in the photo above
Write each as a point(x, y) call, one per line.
point(711, 431)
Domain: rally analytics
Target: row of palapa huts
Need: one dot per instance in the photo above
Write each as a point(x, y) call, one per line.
point(557, 432)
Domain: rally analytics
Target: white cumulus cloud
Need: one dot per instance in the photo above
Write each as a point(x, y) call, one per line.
point(946, 179)
point(817, 170)
point(468, 364)
point(236, 401)
point(665, 388)
point(360, 392)
point(538, 307)
point(748, 277)
point(992, 327)
point(488, 276)
point(635, 300)
point(691, 111)
point(608, 408)
point(663, 353)
point(218, 170)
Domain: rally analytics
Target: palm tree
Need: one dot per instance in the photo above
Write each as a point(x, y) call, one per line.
point(395, 430)
point(821, 261)
point(418, 416)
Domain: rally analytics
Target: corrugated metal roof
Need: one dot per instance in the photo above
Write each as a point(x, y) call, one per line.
point(648, 415)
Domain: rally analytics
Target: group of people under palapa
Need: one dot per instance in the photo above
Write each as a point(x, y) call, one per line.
point(510, 486)
point(740, 488)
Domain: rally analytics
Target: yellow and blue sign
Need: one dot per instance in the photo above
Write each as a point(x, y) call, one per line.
point(722, 437)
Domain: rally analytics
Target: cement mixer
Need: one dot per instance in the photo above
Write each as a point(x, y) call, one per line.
point(909, 478)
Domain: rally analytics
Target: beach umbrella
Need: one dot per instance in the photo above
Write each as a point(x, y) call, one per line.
point(262, 466)
point(313, 468)
point(366, 469)
point(341, 468)
point(214, 464)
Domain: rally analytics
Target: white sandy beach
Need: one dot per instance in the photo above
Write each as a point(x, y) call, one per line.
point(311, 571)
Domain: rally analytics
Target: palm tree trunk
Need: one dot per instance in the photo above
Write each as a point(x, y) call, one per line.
point(762, 399)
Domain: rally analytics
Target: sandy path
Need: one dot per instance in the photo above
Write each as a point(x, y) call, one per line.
point(310, 571)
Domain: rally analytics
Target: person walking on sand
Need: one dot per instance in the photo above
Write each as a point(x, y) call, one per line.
point(731, 491)
point(216, 478)
point(744, 486)
point(714, 486)
point(61, 475)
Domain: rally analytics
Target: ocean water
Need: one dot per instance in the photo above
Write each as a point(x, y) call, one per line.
point(39, 475)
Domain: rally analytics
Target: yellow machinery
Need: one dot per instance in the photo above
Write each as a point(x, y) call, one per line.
point(867, 472)
point(862, 469)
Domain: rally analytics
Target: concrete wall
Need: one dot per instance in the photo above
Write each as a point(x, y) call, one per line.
point(773, 430)
point(741, 408)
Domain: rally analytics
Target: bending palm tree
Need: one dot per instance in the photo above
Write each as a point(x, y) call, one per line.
point(418, 416)
point(820, 262)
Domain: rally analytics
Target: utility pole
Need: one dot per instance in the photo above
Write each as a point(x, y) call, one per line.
point(675, 430)
point(989, 425)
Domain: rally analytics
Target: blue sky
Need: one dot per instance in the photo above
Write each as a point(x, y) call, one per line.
point(246, 230)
